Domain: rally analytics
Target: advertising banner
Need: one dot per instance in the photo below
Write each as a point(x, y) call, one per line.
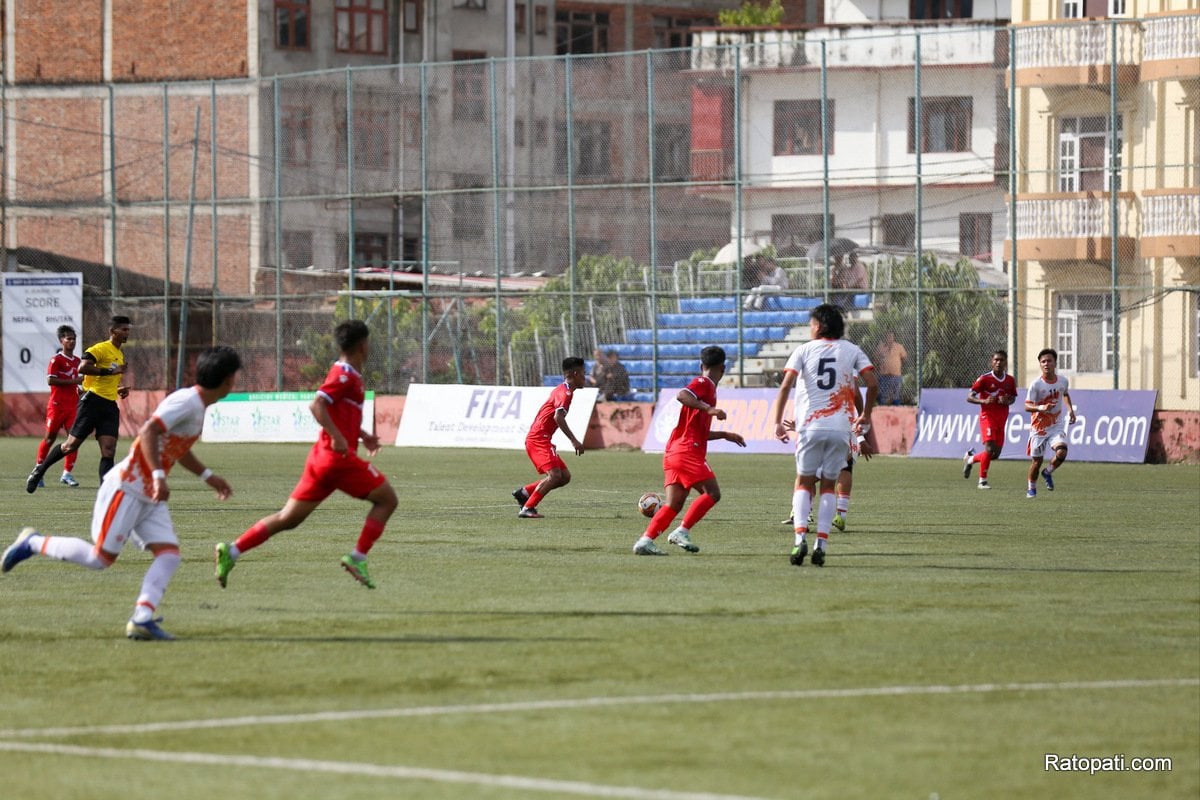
point(34, 306)
point(1110, 425)
point(451, 415)
point(748, 413)
point(270, 417)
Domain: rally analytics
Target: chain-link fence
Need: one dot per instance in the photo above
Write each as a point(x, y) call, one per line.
point(490, 217)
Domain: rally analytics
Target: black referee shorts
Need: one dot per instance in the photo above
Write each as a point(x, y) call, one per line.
point(96, 413)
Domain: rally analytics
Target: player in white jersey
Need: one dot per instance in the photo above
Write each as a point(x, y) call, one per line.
point(825, 372)
point(1045, 401)
point(132, 501)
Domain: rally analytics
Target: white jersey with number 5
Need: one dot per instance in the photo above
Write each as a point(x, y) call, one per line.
point(826, 372)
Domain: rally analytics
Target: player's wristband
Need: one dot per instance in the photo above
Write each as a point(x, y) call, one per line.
point(159, 475)
point(206, 474)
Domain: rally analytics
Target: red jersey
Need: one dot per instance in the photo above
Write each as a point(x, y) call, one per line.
point(691, 431)
point(345, 394)
point(988, 385)
point(63, 366)
point(544, 424)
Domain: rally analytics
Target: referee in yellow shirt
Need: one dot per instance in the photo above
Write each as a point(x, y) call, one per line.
point(102, 365)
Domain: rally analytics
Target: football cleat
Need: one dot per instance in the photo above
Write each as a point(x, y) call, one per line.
point(1048, 479)
point(1031, 493)
point(224, 563)
point(529, 513)
point(839, 522)
point(147, 631)
point(679, 538)
point(819, 557)
point(67, 479)
point(358, 570)
point(789, 521)
point(799, 552)
point(983, 484)
point(646, 547)
point(520, 495)
point(18, 551)
point(967, 462)
point(35, 479)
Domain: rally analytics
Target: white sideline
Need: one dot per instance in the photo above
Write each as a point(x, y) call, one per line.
point(371, 770)
point(587, 702)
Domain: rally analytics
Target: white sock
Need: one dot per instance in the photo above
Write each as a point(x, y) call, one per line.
point(825, 509)
point(67, 548)
point(801, 506)
point(843, 504)
point(234, 552)
point(154, 585)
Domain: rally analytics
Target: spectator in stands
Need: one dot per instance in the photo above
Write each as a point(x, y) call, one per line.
point(614, 384)
point(596, 376)
point(773, 281)
point(848, 273)
point(889, 359)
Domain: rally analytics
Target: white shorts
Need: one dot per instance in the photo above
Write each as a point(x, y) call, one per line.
point(822, 452)
point(119, 517)
point(1038, 445)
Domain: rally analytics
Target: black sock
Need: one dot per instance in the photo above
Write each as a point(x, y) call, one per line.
point(54, 455)
point(106, 463)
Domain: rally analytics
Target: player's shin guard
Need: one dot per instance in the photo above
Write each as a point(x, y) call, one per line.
point(77, 551)
point(154, 585)
point(985, 461)
point(372, 529)
point(825, 509)
point(255, 535)
point(801, 508)
point(696, 511)
point(843, 503)
point(661, 520)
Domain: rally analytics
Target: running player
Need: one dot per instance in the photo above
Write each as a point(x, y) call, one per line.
point(1045, 400)
point(551, 417)
point(684, 461)
point(62, 374)
point(825, 371)
point(332, 465)
point(993, 392)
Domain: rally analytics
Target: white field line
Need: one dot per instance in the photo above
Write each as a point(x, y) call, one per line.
point(587, 702)
point(359, 770)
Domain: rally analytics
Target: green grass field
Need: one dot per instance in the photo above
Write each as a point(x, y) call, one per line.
point(954, 638)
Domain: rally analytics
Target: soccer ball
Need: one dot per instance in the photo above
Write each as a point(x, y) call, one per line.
point(648, 504)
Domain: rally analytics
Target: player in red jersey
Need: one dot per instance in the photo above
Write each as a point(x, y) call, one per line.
point(332, 464)
point(551, 417)
point(993, 392)
point(62, 374)
point(684, 464)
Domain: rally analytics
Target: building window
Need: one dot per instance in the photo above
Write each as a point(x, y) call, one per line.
point(360, 26)
point(580, 32)
point(297, 249)
point(898, 230)
point(793, 233)
point(476, 4)
point(591, 146)
point(370, 250)
point(540, 22)
point(940, 9)
point(675, 34)
point(672, 152)
point(470, 86)
point(295, 134)
point(469, 208)
point(1085, 147)
point(519, 20)
point(1072, 9)
point(372, 131)
point(945, 125)
point(539, 132)
point(798, 127)
point(1083, 333)
point(975, 235)
point(411, 11)
point(291, 24)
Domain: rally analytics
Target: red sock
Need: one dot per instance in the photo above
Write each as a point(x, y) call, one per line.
point(534, 499)
point(255, 535)
point(660, 521)
point(531, 486)
point(43, 448)
point(985, 461)
point(69, 460)
point(372, 530)
point(697, 510)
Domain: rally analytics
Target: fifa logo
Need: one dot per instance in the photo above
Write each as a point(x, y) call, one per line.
point(494, 404)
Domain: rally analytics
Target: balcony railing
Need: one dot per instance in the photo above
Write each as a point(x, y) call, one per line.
point(1078, 52)
point(1074, 225)
point(1170, 223)
point(1171, 47)
point(856, 46)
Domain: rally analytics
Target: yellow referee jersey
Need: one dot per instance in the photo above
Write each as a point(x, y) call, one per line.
point(106, 354)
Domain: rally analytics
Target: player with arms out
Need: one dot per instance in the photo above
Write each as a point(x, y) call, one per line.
point(62, 374)
point(131, 504)
point(825, 372)
point(1046, 399)
point(993, 392)
point(102, 365)
point(333, 463)
point(685, 465)
point(551, 417)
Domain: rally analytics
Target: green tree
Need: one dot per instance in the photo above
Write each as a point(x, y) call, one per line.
point(752, 14)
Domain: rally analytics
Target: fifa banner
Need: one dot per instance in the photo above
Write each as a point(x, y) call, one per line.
point(748, 412)
point(451, 415)
point(270, 417)
point(35, 304)
point(1110, 425)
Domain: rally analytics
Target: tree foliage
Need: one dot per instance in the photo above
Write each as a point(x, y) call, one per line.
point(752, 14)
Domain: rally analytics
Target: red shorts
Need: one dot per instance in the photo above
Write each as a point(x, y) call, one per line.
point(60, 417)
point(685, 469)
point(544, 455)
point(326, 471)
point(992, 430)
